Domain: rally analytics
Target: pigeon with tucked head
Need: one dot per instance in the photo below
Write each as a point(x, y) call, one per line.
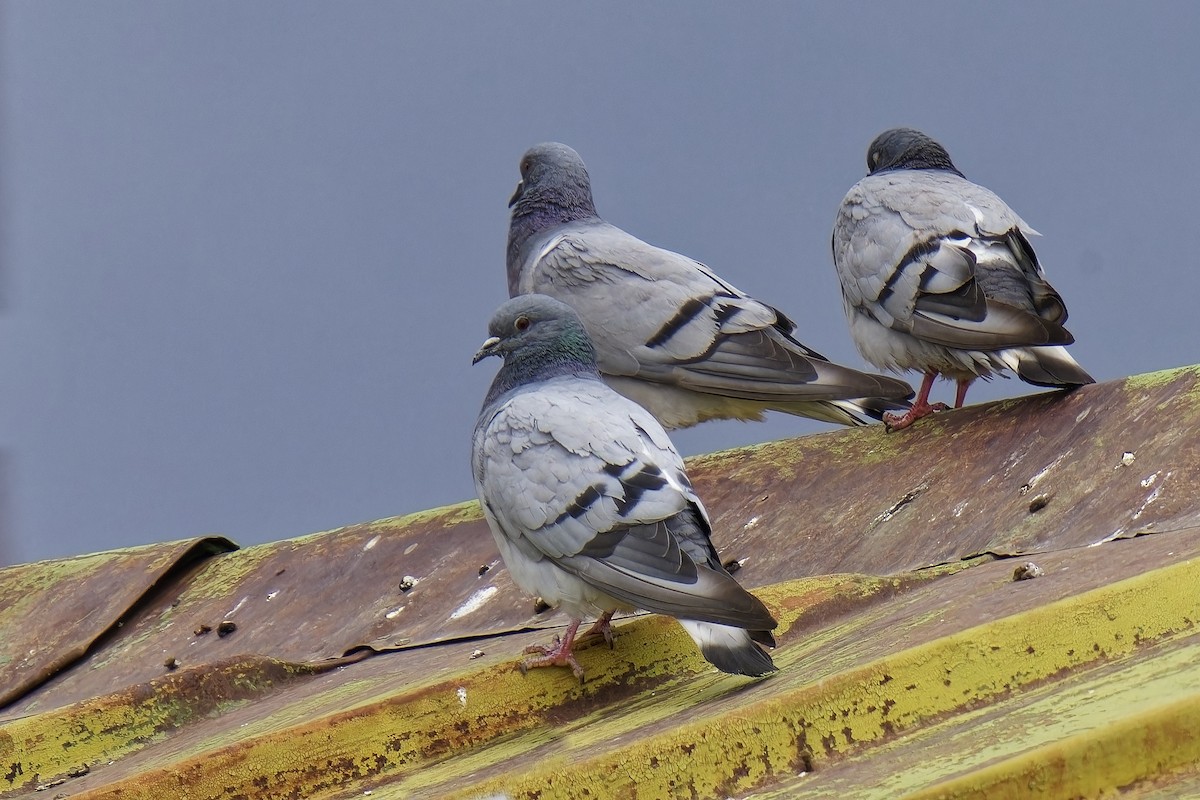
point(938, 275)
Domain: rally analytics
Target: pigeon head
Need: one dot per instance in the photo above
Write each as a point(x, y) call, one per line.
point(554, 176)
point(906, 148)
point(554, 190)
point(538, 337)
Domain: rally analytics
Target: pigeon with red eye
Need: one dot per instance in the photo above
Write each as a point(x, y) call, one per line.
point(671, 334)
point(588, 500)
point(938, 275)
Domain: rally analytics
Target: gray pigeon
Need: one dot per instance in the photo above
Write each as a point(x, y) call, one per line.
point(589, 502)
point(938, 275)
point(669, 333)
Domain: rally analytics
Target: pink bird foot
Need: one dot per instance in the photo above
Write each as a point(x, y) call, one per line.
point(895, 422)
point(602, 628)
point(559, 655)
point(921, 407)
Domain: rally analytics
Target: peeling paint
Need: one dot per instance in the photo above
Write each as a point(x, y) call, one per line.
point(474, 602)
point(1040, 474)
point(237, 607)
point(912, 640)
point(1150, 498)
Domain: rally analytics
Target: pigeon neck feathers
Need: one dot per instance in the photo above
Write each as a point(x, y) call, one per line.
point(570, 352)
point(555, 191)
point(532, 218)
point(555, 199)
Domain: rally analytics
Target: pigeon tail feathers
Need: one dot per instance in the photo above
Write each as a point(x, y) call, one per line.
point(731, 650)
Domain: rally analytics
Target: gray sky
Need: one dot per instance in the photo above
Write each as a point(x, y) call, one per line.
point(248, 249)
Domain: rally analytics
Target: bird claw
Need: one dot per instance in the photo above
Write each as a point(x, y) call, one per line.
point(558, 655)
point(552, 657)
point(896, 422)
point(603, 628)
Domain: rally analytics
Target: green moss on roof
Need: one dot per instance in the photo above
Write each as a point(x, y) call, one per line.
point(445, 516)
point(778, 737)
point(897, 678)
point(1163, 377)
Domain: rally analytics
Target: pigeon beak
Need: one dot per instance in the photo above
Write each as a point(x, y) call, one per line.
point(488, 348)
point(516, 195)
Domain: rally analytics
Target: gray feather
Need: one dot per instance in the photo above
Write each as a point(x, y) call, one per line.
point(938, 275)
point(587, 498)
point(668, 331)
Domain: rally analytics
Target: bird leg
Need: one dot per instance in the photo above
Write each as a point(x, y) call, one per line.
point(921, 407)
point(559, 655)
point(602, 627)
point(961, 394)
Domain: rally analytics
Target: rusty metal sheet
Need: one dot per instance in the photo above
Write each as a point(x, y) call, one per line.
point(53, 612)
point(846, 501)
point(312, 599)
point(906, 657)
point(836, 649)
point(1036, 743)
point(1045, 472)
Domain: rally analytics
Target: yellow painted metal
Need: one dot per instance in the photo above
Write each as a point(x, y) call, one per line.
point(431, 738)
point(737, 751)
point(950, 681)
point(124, 722)
point(1152, 689)
point(1118, 752)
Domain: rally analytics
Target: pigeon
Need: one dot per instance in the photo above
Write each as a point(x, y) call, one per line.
point(589, 502)
point(938, 275)
point(670, 334)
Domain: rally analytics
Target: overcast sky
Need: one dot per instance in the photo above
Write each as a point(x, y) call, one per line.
point(248, 249)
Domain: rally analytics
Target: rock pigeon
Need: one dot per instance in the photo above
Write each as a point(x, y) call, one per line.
point(588, 500)
point(669, 333)
point(938, 275)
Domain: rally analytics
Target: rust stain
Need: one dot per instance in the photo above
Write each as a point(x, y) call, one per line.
point(851, 501)
point(874, 550)
point(960, 484)
point(46, 629)
point(423, 722)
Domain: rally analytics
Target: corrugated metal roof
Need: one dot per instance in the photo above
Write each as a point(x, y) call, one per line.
point(912, 664)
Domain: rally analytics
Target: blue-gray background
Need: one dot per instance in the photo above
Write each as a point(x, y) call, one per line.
point(246, 250)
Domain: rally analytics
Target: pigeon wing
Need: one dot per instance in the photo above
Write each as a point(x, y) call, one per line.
point(661, 316)
point(590, 481)
point(936, 256)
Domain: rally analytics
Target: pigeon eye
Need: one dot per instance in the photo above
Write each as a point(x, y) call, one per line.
point(521, 323)
point(525, 165)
